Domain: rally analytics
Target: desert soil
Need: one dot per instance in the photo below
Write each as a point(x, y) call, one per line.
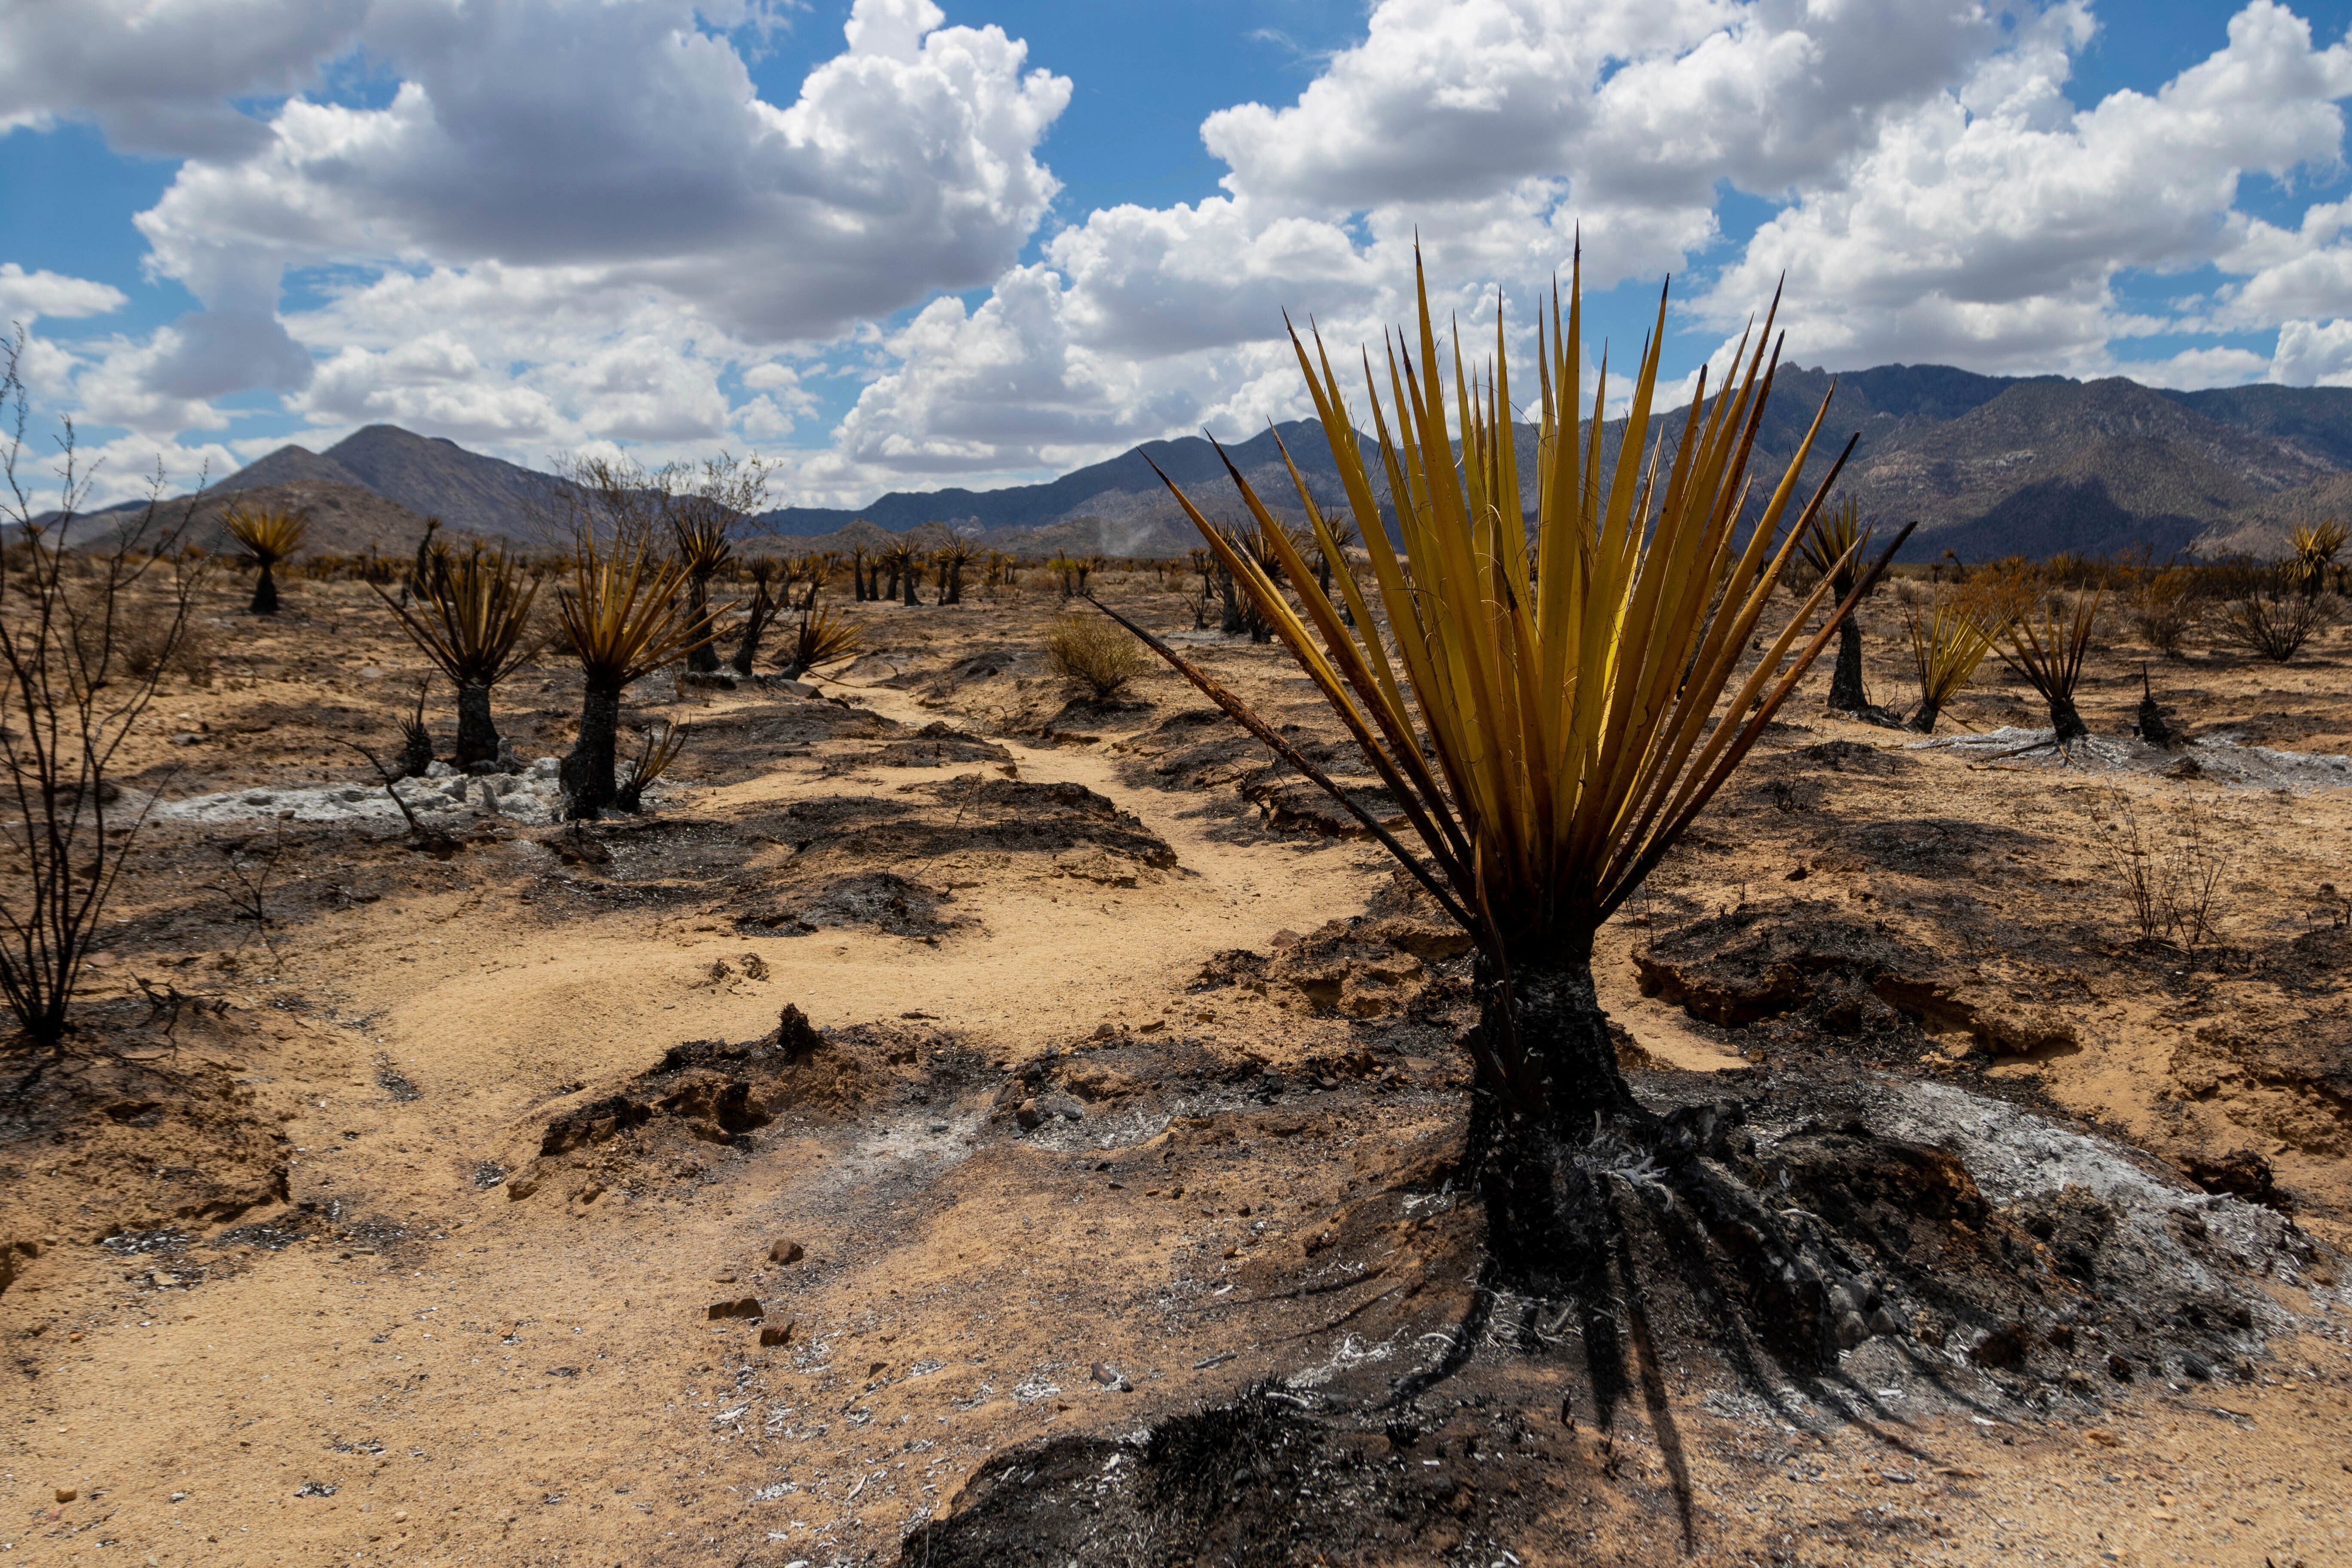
point(387, 1207)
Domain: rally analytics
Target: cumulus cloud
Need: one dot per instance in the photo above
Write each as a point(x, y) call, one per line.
point(24, 297)
point(1985, 226)
point(161, 75)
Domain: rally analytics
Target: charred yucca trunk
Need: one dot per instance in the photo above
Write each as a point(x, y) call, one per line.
point(1846, 693)
point(703, 656)
point(264, 593)
point(478, 736)
point(586, 773)
point(764, 611)
point(1545, 1053)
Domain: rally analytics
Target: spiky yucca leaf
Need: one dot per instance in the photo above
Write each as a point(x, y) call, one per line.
point(1552, 718)
point(822, 636)
point(2047, 644)
point(268, 534)
point(472, 614)
point(621, 613)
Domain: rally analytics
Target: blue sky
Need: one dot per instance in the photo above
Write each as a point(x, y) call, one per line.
point(898, 244)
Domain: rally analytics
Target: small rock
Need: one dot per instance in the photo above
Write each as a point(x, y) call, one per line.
point(795, 688)
point(785, 1252)
point(773, 1334)
point(1105, 1031)
point(2119, 1369)
point(742, 1307)
point(1851, 1330)
point(1027, 1114)
point(724, 1277)
point(1109, 1377)
point(67, 1494)
point(591, 1192)
point(522, 1186)
point(938, 1127)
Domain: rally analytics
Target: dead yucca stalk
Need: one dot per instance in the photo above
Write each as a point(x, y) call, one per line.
point(2045, 639)
point(823, 635)
point(1947, 643)
point(1549, 720)
point(1831, 547)
point(761, 612)
point(470, 616)
point(270, 536)
point(622, 617)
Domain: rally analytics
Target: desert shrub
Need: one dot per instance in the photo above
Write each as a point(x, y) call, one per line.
point(1094, 654)
point(2273, 623)
point(2168, 867)
point(2163, 609)
point(657, 750)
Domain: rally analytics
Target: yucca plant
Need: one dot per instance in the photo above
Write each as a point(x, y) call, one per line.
point(470, 616)
point(1549, 717)
point(951, 560)
point(905, 566)
point(2316, 548)
point(1831, 547)
point(658, 748)
point(2046, 642)
point(1947, 643)
point(761, 612)
point(823, 636)
point(703, 548)
point(623, 618)
point(270, 535)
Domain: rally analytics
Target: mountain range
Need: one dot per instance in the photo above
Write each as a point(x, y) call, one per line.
point(1990, 466)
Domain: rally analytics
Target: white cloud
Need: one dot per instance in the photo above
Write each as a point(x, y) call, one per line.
point(1986, 226)
point(158, 76)
point(27, 296)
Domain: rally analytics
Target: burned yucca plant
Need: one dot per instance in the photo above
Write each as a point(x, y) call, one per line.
point(622, 617)
point(823, 635)
point(1831, 547)
point(1947, 643)
point(2046, 640)
point(761, 612)
point(1549, 717)
point(703, 547)
point(270, 536)
point(656, 751)
point(470, 616)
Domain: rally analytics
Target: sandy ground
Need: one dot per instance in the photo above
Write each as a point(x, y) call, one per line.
point(296, 1277)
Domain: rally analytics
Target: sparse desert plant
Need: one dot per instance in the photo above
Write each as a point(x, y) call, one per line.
point(1947, 643)
point(624, 619)
point(1094, 655)
point(760, 614)
point(904, 564)
point(470, 616)
point(270, 535)
point(2163, 608)
point(416, 740)
point(2170, 867)
point(1839, 535)
point(2316, 547)
point(703, 548)
point(2273, 622)
point(657, 750)
point(823, 635)
point(950, 561)
point(1554, 712)
point(2047, 639)
point(68, 702)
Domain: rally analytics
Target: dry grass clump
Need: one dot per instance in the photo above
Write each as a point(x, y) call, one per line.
point(1094, 655)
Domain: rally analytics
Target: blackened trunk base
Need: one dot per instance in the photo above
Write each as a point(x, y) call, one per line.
point(703, 656)
point(1846, 695)
point(586, 771)
point(264, 593)
point(2067, 721)
point(478, 737)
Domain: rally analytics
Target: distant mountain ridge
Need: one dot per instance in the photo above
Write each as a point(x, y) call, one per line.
point(1988, 465)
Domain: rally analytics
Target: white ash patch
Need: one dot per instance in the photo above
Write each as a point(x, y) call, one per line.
point(2219, 757)
point(531, 797)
